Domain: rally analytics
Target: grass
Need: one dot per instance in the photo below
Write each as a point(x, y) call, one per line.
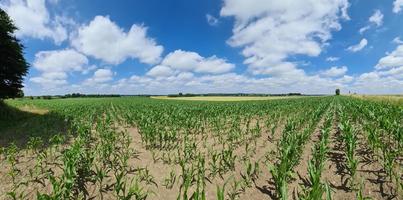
point(225, 98)
point(34, 110)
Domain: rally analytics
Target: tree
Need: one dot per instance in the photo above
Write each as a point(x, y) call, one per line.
point(337, 91)
point(13, 66)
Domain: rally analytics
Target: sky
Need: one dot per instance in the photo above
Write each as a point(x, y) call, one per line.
point(215, 46)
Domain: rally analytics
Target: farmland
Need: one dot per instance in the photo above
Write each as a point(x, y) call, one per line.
point(333, 147)
point(225, 98)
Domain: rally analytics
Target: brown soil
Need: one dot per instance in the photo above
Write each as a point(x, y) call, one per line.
point(369, 172)
point(301, 171)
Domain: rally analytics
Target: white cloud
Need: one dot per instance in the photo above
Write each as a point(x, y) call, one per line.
point(271, 31)
point(394, 59)
point(105, 40)
point(270, 34)
point(54, 66)
point(377, 83)
point(376, 18)
point(227, 82)
point(160, 70)
point(397, 40)
point(358, 47)
point(211, 20)
point(345, 79)
point(33, 20)
point(100, 76)
point(387, 78)
point(48, 81)
point(334, 71)
point(332, 59)
point(51, 79)
point(60, 60)
point(397, 6)
point(192, 61)
point(363, 29)
point(396, 72)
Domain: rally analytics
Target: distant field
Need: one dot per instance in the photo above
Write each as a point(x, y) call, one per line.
point(224, 98)
point(394, 99)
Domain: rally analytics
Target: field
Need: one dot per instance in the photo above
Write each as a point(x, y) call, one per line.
point(333, 147)
point(224, 98)
point(394, 99)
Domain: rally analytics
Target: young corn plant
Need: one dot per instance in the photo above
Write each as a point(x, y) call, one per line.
point(187, 181)
point(200, 193)
point(220, 192)
point(350, 140)
point(288, 158)
point(315, 168)
point(170, 181)
point(237, 187)
point(251, 173)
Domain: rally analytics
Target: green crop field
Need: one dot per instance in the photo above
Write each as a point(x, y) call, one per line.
point(225, 98)
point(333, 147)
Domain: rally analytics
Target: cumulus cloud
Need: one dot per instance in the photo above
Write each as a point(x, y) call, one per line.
point(271, 31)
point(54, 66)
point(377, 82)
point(227, 82)
point(33, 20)
point(358, 47)
point(387, 78)
point(211, 20)
point(105, 40)
point(100, 76)
point(192, 61)
point(160, 70)
point(270, 34)
point(345, 79)
point(376, 18)
point(394, 59)
point(51, 79)
point(334, 71)
point(397, 40)
point(60, 60)
point(388, 81)
point(397, 6)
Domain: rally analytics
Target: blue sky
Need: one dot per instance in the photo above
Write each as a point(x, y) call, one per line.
point(259, 46)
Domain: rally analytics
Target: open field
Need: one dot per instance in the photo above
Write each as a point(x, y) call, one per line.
point(225, 98)
point(145, 148)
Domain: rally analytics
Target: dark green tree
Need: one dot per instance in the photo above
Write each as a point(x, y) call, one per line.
point(337, 91)
point(13, 66)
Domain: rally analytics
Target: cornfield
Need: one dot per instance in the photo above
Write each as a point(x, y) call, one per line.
point(141, 148)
